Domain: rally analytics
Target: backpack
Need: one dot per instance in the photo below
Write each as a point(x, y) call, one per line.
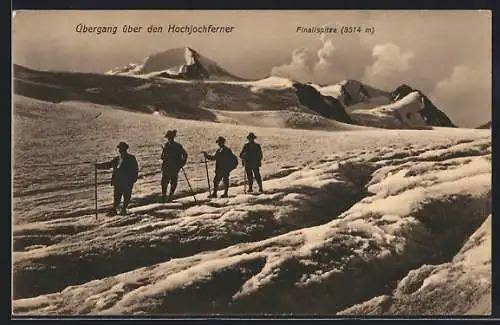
point(183, 159)
point(175, 158)
point(233, 163)
point(182, 162)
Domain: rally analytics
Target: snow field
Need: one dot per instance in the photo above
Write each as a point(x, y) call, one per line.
point(418, 210)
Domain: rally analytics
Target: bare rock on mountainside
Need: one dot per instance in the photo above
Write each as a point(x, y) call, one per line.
point(326, 106)
point(400, 92)
point(402, 114)
point(178, 63)
point(485, 126)
point(430, 113)
point(355, 92)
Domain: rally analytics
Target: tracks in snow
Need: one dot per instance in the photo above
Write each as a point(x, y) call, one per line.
point(157, 232)
point(292, 251)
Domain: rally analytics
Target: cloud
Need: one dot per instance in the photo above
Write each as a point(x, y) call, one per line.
point(331, 62)
point(465, 96)
point(324, 67)
point(390, 68)
point(384, 66)
point(326, 52)
point(299, 68)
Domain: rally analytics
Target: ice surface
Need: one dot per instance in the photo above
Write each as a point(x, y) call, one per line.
point(389, 202)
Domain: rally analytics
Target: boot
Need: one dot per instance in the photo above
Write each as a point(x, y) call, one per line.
point(123, 211)
point(250, 190)
point(112, 212)
point(163, 193)
point(215, 189)
point(226, 189)
point(170, 196)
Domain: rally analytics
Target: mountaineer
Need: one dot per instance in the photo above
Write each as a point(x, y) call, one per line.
point(173, 158)
point(225, 162)
point(125, 174)
point(251, 156)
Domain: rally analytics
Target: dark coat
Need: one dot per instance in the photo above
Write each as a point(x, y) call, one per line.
point(124, 175)
point(223, 160)
point(251, 154)
point(174, 157)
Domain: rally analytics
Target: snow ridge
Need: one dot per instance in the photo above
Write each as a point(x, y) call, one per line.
point(420, 204)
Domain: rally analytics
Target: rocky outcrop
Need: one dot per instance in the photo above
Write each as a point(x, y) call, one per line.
point(402, 114)
point(354, 92)
point(429, 112)
point(326, 106)
point(485, 126)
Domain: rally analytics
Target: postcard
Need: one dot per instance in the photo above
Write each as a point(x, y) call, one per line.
point(189, 162)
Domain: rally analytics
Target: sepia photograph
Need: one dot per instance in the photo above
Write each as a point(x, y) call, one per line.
point(330, 163)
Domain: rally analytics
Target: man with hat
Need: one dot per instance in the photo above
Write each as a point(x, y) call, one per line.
point(224, 163)
point(125, 174)
point(251, 156)
point(173, 158)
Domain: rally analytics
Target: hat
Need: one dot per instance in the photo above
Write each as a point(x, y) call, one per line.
point(251, 135)
point(171, 134)
point(220, 139)
point(122, 145)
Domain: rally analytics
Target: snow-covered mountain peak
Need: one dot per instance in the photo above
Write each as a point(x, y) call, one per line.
point(177, 63)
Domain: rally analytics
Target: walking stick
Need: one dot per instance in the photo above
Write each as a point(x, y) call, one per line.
point(95, 177)
point(189, 184)
point(208, 177)
point(95, 191)
point(245, 180)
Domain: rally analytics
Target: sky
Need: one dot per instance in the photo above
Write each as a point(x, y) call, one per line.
point(445, 54)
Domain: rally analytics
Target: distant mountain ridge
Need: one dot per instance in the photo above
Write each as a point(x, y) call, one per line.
point(404, 107)
point(182, 83)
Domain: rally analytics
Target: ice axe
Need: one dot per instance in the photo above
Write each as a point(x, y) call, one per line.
point(244, 178)
point(189, 184)
point(187, 180)
point(95, 178)
point(208, 177)
point(95, 191)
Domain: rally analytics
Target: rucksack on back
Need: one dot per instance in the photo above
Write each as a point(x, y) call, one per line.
point(182, 161)
point(233, 162)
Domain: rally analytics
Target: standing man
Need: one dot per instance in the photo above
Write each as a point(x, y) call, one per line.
point(251, 156)
point(174, 157)
point(125, 174)
point(225, 162)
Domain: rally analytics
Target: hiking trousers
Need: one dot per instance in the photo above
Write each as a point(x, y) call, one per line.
point(169, 177)
point(221, 176)
point(253, 171)
point(124, 190)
